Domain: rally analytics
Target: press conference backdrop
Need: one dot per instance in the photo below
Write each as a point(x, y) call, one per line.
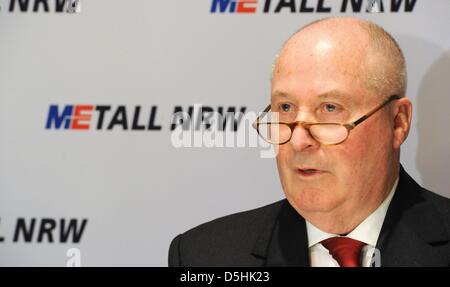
point(89, 174)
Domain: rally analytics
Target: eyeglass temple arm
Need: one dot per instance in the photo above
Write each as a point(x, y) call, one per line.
point(366, 116)
point(256, 123)
point(267, 109)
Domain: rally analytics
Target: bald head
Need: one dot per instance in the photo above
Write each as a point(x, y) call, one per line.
point(361, 48)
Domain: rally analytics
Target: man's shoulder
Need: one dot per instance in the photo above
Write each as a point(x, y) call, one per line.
point(431, 216)
point(223, 238)
point(417, 195)
point(441, 203)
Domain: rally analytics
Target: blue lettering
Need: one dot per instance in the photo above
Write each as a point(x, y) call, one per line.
point(57, 119)
point(223, 4)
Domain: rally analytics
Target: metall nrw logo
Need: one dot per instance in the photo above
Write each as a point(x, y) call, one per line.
point(312, 6)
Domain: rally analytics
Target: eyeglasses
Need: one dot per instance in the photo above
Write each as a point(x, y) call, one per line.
point(279, 133)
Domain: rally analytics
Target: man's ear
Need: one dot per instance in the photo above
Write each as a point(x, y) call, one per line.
point(402, 112)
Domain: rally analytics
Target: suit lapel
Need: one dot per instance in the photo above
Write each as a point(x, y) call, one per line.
point(412, 231)
point(285, 242)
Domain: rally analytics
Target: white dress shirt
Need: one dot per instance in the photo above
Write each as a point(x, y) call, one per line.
point(367, 232)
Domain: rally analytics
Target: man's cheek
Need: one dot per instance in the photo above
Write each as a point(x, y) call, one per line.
point(282, 171)
point(283, 161)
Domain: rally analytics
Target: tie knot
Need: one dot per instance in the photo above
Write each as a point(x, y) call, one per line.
point(346, 251)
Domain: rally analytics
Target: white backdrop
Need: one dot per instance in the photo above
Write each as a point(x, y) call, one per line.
point(134, 190)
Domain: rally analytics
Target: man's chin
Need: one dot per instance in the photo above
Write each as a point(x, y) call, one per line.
point(313, 200)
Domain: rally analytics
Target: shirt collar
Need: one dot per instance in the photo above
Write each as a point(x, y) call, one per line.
point(367, 231)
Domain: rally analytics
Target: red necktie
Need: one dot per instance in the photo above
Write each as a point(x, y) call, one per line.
point(346, 251)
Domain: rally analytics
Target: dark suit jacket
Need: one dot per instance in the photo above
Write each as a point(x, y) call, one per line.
point(415, 232)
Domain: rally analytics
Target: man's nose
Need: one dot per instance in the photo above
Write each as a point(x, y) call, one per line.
point(302, 140)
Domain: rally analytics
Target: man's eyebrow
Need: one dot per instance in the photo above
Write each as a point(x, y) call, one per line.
point(329, 95)
point(338, 95)
point(280, 94)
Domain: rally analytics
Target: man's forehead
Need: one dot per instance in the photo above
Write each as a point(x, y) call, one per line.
point(325, 47)
point(328, 77)
point(321, 55)
point(338, 30)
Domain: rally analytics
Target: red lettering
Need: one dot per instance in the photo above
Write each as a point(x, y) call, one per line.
point(79, 117)
point(246, 6)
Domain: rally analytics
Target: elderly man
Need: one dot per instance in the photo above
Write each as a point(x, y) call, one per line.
point(338, 116)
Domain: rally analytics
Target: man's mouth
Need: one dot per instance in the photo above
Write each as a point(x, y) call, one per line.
point(309, 172)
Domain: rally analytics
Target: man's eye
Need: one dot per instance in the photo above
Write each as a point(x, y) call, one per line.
point(330, 108)
point(285, 107)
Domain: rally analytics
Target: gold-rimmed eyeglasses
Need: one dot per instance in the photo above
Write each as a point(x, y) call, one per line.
point(279, 133)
